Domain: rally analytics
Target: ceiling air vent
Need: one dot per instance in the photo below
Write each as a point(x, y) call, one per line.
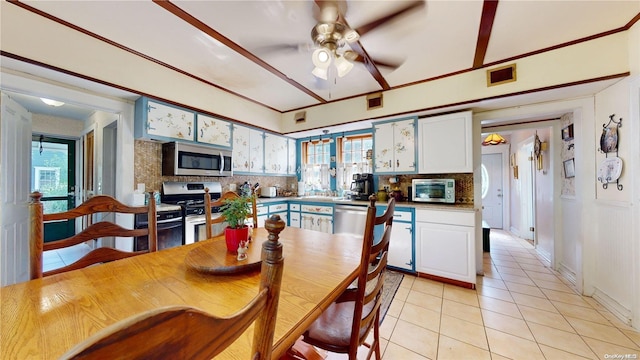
point(374, 101)
point(300, 117)
point(501, 75)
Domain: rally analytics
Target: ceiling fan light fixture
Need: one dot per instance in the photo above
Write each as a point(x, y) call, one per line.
point(343, 66)
point(52, 102)
point(320, 73)
point(321, 58)
point(351, 36)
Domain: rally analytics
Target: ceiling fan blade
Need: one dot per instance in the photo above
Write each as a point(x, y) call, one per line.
point(356, 57)
point(281, 48)
point(414, 5)
point(329, 11)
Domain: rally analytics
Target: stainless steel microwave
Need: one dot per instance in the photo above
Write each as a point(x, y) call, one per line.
point(191, 159)
point(434, 190)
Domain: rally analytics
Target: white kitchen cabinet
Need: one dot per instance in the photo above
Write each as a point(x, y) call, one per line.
point(445, 144)
point(262, 211)
point(292, 157)
point(294, 215)
point(401, 244)
point(445, 244)
point(248, 150)
point(394, 146)
point(317, 217)
point(158, 121)
point(275, 154)
point(213, 131)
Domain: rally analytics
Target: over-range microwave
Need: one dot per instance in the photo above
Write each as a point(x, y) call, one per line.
point(434, 190)
point(197, 160)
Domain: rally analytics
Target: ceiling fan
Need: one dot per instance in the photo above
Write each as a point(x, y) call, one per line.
point(332, 33)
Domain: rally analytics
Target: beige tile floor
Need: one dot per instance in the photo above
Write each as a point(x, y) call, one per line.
point(520, 310)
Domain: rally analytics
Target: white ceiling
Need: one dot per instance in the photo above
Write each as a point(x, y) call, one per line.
point(439, 39)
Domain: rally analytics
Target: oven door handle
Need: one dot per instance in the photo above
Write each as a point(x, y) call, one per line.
point(177, 220)
point(168, 226)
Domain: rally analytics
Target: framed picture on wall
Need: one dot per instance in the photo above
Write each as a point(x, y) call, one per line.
point(569, 168)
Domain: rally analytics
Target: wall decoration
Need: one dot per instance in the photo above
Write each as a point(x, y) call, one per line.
point(569, 168)
point(567, 133)
point(610, 168)
point(609, 139)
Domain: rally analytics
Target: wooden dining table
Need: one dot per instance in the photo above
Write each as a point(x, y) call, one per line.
point(44, 318)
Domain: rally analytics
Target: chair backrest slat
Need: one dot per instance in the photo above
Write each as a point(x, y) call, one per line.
point(95, 205)
point(373, 263)
point(210, 220)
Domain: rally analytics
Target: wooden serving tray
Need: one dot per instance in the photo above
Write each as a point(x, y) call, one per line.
point(212, 257)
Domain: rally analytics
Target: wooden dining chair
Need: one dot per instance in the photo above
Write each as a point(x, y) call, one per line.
point(95, 231)
point(181, 332)
point(208, 204)
point(345, 325)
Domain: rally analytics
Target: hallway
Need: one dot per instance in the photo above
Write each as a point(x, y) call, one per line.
point(520, 310)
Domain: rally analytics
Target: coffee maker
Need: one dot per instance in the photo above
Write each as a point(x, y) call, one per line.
point(362, 186)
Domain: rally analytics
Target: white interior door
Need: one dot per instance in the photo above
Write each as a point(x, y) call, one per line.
point(15, 162)
point(492, 190)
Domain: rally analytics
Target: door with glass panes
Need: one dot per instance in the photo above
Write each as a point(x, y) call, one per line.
point(53, 163)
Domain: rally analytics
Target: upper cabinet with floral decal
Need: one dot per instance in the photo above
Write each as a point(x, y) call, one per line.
point(394, 147)
point(213, 131)
point(158, 121)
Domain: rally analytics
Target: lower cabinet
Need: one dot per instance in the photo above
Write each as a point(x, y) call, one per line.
point(266, 210)
point(294, 215)
point(316, 217)
point(445, 244)
point(401, 244)
point(263, 214)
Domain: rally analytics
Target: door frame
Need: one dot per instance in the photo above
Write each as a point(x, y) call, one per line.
point(503, 149)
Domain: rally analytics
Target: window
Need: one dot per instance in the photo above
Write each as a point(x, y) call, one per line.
point(354, 157)
point(316, 156)
point(46, 178)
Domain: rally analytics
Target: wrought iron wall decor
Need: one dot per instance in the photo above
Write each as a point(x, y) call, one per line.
point(611, 167)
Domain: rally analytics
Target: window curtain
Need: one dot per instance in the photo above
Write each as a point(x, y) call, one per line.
point(316, 177)
point(345, 171)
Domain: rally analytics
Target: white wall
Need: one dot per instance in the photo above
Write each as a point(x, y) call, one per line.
point(544, 196)
point(613, 242)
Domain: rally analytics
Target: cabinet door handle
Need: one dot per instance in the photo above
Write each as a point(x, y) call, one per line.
point(201, 132)
point(397, 163)
point(189, 131)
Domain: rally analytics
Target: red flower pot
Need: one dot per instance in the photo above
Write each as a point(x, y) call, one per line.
point(233, 238)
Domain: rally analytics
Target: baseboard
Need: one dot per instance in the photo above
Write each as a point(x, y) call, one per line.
point(441, 279)
point(568, 274)
point(545, 254)
point(613, 306)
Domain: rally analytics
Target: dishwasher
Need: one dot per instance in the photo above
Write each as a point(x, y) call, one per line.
point(349, 219)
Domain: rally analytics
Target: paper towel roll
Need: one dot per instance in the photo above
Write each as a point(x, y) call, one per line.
point(300, 188)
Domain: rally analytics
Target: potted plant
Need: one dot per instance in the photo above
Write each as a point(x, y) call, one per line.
point(235, 211)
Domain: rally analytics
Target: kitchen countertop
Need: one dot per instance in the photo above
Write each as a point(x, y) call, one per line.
point(343, 201)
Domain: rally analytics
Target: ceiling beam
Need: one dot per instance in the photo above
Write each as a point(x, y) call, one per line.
point(175, 10)
point(484, 31)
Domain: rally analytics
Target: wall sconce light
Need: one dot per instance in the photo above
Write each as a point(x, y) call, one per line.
point(493, 139)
